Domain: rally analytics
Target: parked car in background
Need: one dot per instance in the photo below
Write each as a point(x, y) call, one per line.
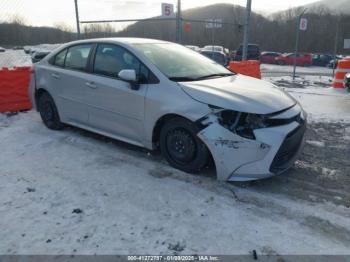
point(194, 48)
point(302, 59)
point(39, 55)
point(17, 48)
point(2, 49)
point(227, 51)
point(321, 59)
point(269, 57)
point(27, 49)
point(232, 55)
point(334, 62)
point(214, 48)
point(157, 94)
point(218, 57)
point(253, 52)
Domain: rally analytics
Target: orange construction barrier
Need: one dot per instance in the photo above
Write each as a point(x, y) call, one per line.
point(248, 68)
point(14, 86)
point(342, 69)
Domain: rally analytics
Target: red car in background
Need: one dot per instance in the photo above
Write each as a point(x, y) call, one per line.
point(269, 57)
point(302, 59)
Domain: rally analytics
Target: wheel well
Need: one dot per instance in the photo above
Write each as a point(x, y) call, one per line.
point(39, 93)
point(159, 124)
point(158, 127)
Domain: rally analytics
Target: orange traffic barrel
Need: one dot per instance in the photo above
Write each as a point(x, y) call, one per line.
point(14, 93)
point(248, 68)
point(342, 69)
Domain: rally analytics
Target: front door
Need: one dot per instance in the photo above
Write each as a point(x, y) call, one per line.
point(113, 106)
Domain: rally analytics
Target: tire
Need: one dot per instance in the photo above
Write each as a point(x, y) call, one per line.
point(48, 112)
point(281, 63)
point(181, 147)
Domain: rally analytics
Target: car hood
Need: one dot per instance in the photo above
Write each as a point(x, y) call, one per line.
point(240, 93)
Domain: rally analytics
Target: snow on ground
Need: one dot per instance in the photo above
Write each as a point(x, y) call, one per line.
point(318, 98)
point(311, 70)
point(74, 192)
point(11, 58)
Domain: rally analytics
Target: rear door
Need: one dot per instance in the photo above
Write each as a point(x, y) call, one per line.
point(70, 83)
point(113, 106)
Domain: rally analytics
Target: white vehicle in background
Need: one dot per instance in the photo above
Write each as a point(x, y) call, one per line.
point(43, 48)
point(2, 49)
point(194, 48)
point(39, 55)
point(214, 48)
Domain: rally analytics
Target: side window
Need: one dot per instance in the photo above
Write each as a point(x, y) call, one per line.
point(59, 58)
point(77, 57)
point(111, 59)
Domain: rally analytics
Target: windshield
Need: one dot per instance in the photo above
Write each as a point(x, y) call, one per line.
point(179, 63)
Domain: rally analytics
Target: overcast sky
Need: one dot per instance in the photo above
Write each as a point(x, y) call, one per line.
point(52, 12)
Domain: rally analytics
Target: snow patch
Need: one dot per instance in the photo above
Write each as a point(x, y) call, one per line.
point(316, 143)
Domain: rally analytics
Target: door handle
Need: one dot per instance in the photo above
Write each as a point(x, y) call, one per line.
point(91, 85)
point(54, 75)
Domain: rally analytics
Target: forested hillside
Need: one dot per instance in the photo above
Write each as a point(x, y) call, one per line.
point(276, 33)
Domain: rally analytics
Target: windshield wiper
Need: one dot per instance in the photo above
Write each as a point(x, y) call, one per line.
point(182, 78)
point(215, 75)
point(187, 78)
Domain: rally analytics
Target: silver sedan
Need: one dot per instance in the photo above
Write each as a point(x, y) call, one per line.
point(158, 94)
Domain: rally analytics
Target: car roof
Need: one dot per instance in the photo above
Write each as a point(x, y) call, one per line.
point(121, 40)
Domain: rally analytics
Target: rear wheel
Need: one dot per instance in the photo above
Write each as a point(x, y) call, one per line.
point(181, 146)
point(281, 63)
point(48, 112)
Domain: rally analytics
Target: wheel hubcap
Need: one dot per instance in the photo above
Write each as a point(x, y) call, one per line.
point(181, 146)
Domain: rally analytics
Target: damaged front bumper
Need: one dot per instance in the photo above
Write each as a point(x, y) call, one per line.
point(273, 151)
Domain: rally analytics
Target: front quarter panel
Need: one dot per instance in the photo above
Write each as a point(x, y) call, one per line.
point(167, 98)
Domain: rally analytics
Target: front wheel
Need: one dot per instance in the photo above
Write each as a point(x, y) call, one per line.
point(48, 112)
point(181, 146)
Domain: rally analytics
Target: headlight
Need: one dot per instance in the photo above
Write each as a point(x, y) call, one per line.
point(241, 123)
point(255, 121)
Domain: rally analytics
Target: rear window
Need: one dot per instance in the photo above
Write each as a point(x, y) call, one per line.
point(59, 58)
point(77, 57)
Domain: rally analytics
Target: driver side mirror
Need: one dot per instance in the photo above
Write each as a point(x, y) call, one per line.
point(129, 75)
point(347, 81)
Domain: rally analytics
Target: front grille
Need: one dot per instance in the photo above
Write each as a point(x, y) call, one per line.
point(288, 149)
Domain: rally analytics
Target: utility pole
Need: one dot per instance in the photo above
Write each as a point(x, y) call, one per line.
point(297, 42)
point(77, 18)
point(246, 30)
point(178, 23)
point(336, 45)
